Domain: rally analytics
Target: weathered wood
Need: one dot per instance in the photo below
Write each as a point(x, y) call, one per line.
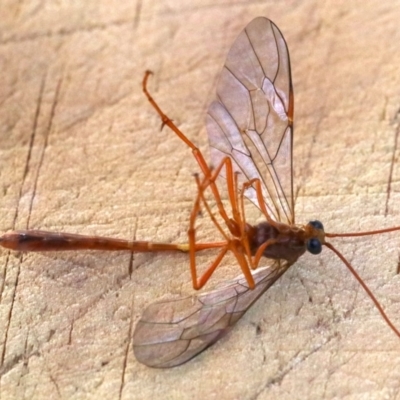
point(81, 151)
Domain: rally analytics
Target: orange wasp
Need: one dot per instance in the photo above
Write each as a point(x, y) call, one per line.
point(250, 130)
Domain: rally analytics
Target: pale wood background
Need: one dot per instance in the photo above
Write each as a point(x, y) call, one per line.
point(81, 151)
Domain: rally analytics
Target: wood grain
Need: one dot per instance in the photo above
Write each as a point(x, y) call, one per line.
point(82, 151)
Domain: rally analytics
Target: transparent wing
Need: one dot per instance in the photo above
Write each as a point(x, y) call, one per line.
point(252, 119)
point(172, 332)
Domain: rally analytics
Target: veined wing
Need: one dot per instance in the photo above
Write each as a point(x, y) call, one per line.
point(252, 119)
point(172, 332)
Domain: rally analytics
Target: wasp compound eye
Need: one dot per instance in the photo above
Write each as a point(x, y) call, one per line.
point(314, 246)
point(317, 224)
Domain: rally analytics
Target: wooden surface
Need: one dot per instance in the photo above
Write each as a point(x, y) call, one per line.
point(81, 151)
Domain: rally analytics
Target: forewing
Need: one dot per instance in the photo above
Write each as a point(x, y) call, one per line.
point(170, 333)
point(251, 121)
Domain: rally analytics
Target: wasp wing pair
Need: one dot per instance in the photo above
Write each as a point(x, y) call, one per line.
point(252, 123)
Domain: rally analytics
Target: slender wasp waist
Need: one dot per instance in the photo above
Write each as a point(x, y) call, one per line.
point(287, 242)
